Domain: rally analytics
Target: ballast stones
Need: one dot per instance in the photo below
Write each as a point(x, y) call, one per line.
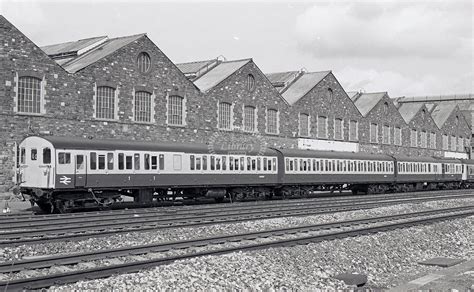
point(358, 280)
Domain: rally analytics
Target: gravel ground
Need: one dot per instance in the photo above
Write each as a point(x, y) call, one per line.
point(388, 259)
point(138, 238)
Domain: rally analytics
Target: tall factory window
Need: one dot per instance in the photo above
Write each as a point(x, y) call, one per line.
point(453, 143)
point(322, 127)
point(414, 138)
point(272, 121)
point(424, 138)
point(397, 136)
point(304, 125)
point(249, 119)
point(386, 134)
point(338, 129)
point(225, 115)
point(353, 130)
point(175, 110)
point(105, 103)
point(143, 106)
point(374, 133)
point(433, 140)
point(29, 95)
point(250, 82)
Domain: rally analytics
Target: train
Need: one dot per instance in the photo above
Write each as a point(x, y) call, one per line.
point(61, 174)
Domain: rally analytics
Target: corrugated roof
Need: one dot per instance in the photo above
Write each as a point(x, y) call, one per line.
point(194, 67)
point(442, 111)
point(218, 74)
point(71, 47)
point(352, 94)
point(435, 98)
point(99, 52)
point(367, 101)
point(303, 85)
point(409, 110)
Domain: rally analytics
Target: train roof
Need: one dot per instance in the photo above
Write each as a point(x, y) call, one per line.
point(333, 154)
point(467, 161)
point(78, 143)
point(403, 158)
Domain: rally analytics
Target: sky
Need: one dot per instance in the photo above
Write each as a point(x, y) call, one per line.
point(407, 48)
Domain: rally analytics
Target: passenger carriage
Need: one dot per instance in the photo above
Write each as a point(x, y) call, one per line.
point(64, 172)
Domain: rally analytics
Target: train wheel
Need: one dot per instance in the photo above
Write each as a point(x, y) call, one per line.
point(46, 207)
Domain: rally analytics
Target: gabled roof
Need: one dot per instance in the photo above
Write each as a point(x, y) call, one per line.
point(281, 78)
point(353, 94)
point(103, 47)
point(73, 47)
point(365, 102)
point(218, 74)
point(194, 67)
point(303, 85)
point(442, 111)
point(409, 110)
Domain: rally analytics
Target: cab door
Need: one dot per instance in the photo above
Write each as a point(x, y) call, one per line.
point(80, 170)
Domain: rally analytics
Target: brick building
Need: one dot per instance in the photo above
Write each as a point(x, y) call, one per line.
point(322, 116)
point(383, 129)
point(455, 132)
point(424, 133)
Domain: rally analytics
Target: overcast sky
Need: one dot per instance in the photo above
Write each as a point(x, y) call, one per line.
point(403, 47)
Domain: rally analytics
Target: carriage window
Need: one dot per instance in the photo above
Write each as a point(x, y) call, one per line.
point(218, 163)
point(287, 164)
point(110, 161)
point(296, 164)
point(198, 163)
point(224, 162)
point(309, 164)
point(79, 162)
point(249, 164)
point(101, 161)
point(274, 160)
point(236, 163)
point(265, 163)
point(64, 157)
point(259, 162)
point(22, 155)
point(204, 162)
point(46, 155)
point(317, 165)
point(254, 164)
point(93, 160)
point(191, 162)
point(231, 163)
point(146, 161)
point(301, 165)
point(213, 163)
point(128, 161)
point(314, 164)
point(291, 165)
point(305, 165)
point(154, 162)
point(136, 161)
point(162, 161)
point(242, 161)
point(269, 164)
point(177, 162)
point(34, 154)
point(120, 161)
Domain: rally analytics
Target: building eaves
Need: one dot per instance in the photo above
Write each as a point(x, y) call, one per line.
point(219, 73)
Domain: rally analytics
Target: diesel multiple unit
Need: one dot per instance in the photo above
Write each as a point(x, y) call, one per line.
point(62, 173)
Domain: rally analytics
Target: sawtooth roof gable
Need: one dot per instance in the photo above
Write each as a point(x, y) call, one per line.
point(442, 111)
point(409, 110)
point(219, 73)
point(365, 102)
point(301, 86)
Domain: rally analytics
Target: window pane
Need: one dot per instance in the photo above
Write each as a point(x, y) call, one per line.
point(154, 162)
point(143, 106)
point(105, 103)
point(46, 155)
point(29, 95)
point(272, 121)
point(79, 162)
point(225, 115)
point(249, 119)
point(34, 154)
point(304, 125)
point(102, 161)
point(147, 161)
point(128, 162)
point(121, 161)
point(322, 127)
point(175, 110)
point(110, 161)
point(136, 161)
point(162, 162)
point(93, 159)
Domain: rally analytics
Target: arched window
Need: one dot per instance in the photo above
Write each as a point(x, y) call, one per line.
point(330, 94)
point(304, 125)
point(143, 62)
point(105, 103)
point(250, 82)
point(225, 115)
point(143, 108)
point(175, 110)
point(29, 95)
point(249, 119)
point(385, 108)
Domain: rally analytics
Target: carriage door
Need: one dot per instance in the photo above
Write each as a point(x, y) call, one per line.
point(80, 171)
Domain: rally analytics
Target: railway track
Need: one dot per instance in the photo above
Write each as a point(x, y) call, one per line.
point(156, 254)
point(19, 232)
